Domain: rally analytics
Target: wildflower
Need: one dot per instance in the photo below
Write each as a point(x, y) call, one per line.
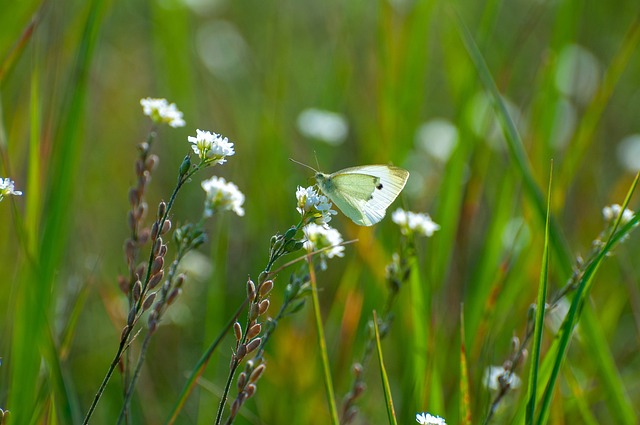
point(497, 377)
point(313, 207)
point(320, 237)
point(429, 419)
point(326, 126)
point(611, 212)
point(222, 196)
point(161, 111)
point(211, 147)
point(7, 188)
point(414, 223)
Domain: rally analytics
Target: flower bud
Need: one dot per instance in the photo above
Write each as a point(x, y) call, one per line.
point(242, 380)
point(251, 290)
point(158, 264)
point(134, 197)
point(173, 295)
point(151, 162)
point(123, 284)
point(143, 236)
point(254, 312)
point(291, 233)
point(237, 329)
point(186, 164)
point(137, 290)
point(148, 302)
point(264, 306)
point(166, 226)
point(180, 280)
point(140, 269)
point(139, 167)
point(163, 251)
point(253, 344)
point(155, 279)
point(154, 231)
point(250, 390)
point(235, 407)
point(266, 288)
point(162, 209)
point(241, 352)
point(131, 220)
point(257, 373)
point(143, 147)
point(254, 330)
point(156, 246)
point(132, 316)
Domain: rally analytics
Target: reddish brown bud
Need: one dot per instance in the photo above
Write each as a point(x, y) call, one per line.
point(148, 301)
point(131, 220)
point(253, 312)
point(156, 246)
point(139, 167)
point(242, 380)
point(235, 406)
point(173, 295)
point(241, 352)
point(141, 211)
point(123, 334)
point(151, 162)
point(237, 329)
point(163, 251)
point(158, 264)
point(166, 226)
point(154, 231)
point(143, 235)
point(254, 330)
point(253, 344)
point(162, 209)
point(251, 290)
point(266, 288)
point(137, 290)
point(155, 279)
point(257, 373)
point(264, 306)
point(250, 390)
point(140, 269)
point(123, 284)
point(180, 280)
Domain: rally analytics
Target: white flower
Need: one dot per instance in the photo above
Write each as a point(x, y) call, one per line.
point(611, 212)
point(414, 223)
point(7, 188)
point(496, 377)
point(429, 419)
point(211, 147)
point(313, 207)
point(319, 237)
point(159, 110)
point(222, 196)
point(326, 126)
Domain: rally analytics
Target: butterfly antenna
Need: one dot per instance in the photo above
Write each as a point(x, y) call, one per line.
point(304, 165)
point(316, 157)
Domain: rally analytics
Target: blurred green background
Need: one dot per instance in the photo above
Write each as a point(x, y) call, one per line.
point(401, 79)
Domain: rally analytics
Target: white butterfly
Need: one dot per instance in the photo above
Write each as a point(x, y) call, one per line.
point(363, 193)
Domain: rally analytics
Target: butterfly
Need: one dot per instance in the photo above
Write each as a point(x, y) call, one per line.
point(363, 193)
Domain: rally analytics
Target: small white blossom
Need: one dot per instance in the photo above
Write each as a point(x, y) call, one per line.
point(429, 419)
point(496, 377)
point(611, 212)
point(313, 207)
point(161, 111)
point(414, 223)
point(211, 147)
point(222, 196)
point(7, 188)
point(319, 237)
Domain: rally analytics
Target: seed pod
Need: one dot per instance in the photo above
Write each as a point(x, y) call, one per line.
point(163, 251)
point(156, 246)
point(137, 290)
point(254, 330)
point(264, 306)
point(162, 209)
point(158, 264)
point(237, 329)
point(251, 290)
point(155, 279)
point(173, 295)
point(235, 406)
point(242, 380)
point(166, 226)
point(148, 301)
point(250, 390)
point(266, 288)
point(154, 231)
point(253, 344)
point(241, 352)
point(257, 373)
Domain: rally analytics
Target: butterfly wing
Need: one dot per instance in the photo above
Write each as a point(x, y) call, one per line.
point(364, 193)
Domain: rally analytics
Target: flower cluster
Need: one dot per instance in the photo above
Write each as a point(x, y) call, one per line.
point(211, 147)
point(611, 212)
point(7, 188)
point(429, 419)
point(222, 196)
point(313, 207)
point(161, 111)
point(414, 223)
point(326, 238)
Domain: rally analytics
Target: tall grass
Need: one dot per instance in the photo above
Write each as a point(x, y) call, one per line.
point(500, 73)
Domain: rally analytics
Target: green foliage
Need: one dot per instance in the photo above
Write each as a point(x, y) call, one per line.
point(501, 73)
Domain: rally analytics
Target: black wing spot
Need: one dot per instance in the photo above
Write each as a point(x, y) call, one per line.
point(379, 186)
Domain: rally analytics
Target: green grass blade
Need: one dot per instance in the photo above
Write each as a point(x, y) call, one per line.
point(573, 315)
point(322, 345)
point(383, 373)
point(465, 395)
point(540, 310)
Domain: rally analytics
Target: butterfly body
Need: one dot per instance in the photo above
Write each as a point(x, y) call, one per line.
point(363, 193)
